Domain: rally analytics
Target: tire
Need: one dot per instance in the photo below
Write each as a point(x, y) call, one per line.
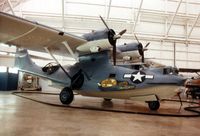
point(107, 99)
point(66, 96)
point(154, 105)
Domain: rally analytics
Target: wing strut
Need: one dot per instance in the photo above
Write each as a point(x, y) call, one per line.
point(69, 49)
point(57, 62)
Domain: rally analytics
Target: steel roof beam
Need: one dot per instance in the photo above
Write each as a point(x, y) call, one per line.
point(2, 2)
point(11, 7)
point(109, 6)
point(63, 14)
point(195, 22)
point(134, 26)
point(2, 5)
point(173, 18)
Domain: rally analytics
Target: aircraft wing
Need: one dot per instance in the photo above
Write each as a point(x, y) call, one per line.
point(33, 36)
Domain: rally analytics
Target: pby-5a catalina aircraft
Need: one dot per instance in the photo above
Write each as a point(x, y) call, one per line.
point(93, 75)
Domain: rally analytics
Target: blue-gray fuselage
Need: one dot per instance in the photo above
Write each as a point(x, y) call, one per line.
point(97, 68)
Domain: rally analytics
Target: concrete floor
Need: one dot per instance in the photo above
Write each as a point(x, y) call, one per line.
point(22, 117)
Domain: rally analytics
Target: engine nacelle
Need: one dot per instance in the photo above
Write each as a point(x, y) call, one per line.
point(127, 58)
point(94, 46)
point(131, 55)
point(94, 49)
point(96, 35)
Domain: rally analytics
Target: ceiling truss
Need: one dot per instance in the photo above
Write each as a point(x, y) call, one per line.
point(166, 18)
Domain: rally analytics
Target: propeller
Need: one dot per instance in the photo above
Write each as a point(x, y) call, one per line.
point(112, 37)
point(141, 48)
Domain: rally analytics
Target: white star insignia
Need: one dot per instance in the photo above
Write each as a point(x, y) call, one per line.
point(138, 76)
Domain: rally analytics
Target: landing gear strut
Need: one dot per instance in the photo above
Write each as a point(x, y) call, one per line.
point(66, 96)
point(153, 105)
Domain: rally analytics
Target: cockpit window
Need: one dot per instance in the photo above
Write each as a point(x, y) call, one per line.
point(112, 75)
point(50, 68)
point(170, 70)
point(166, 71)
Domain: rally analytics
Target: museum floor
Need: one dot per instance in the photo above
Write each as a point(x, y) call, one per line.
point(22, 117)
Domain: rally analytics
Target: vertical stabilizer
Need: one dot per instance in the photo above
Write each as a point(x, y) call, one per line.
point(24, 63)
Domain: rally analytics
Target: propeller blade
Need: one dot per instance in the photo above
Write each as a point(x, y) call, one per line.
point(136, 38)
point(122, 32)
point(143, 58)
point(147, 45)
point(145, 49)
point(112, 37)
point(104, 23)
point(115, 37)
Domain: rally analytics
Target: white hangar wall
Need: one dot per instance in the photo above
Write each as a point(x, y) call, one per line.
point(172, 26)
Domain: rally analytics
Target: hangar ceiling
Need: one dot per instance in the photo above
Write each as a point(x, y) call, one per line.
point(177, 19)
point(162, 22)
point(8, 5)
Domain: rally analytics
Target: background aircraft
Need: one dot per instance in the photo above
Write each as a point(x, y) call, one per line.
point(192, 85)
point(93, 74)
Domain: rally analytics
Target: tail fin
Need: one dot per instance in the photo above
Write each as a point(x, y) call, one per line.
point(22, 58)
point(25, 64)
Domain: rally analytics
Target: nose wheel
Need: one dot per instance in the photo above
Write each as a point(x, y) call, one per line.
point(66, 96)
point(154, 105)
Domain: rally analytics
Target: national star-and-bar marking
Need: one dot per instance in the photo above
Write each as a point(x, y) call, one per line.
point(138, 77)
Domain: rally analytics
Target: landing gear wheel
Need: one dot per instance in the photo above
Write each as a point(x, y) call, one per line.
point(107, 99)
point(154, 105)
point(66, 95)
